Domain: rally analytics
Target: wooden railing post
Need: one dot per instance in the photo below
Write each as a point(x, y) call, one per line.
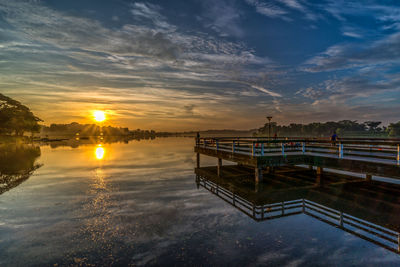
point(398, 242)
point(398, 154)
point(216, 144)
point(253, 149)
point(340, 150)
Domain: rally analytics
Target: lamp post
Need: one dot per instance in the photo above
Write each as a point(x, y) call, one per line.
point(269, 126)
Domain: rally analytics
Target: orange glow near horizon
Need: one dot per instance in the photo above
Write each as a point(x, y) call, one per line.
point(99, 116)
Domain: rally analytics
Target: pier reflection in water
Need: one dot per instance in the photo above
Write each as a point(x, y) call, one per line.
point(17, 164)
point(368, 210)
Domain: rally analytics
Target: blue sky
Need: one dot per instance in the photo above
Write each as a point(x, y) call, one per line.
point(181, 65)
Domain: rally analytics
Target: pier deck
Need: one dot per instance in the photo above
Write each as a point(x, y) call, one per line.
point(380, 157)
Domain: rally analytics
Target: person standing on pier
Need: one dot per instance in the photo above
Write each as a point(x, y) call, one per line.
point(334, 138)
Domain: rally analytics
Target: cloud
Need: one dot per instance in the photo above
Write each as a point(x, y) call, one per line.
point(153, 70)
point(282, 8)
point(268, 9)
point(384, 51)
point(344, 10)
point(223, 17)
point(141, 61)
point(151, 12)
point(310, 92)
point(269, 92)
point(352, 34)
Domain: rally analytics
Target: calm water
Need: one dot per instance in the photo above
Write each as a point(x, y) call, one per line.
point(138, 204)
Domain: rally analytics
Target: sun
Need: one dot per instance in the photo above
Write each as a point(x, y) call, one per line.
point(99, 116)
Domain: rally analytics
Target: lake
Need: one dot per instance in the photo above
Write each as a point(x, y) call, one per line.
point(138, 203)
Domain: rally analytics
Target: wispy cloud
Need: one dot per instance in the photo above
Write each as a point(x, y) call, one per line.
point(384, 51)
point(268, 9)
point(223, 17)
point(282, 8)
point(269, 92)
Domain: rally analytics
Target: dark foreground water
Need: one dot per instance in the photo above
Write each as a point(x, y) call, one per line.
point(138, 204)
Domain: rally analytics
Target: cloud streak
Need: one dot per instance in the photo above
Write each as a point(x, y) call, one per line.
point(268, 92)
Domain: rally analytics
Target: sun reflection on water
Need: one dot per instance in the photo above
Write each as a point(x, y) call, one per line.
point(100, 152)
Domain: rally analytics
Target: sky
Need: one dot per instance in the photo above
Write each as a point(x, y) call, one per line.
point(202, 64)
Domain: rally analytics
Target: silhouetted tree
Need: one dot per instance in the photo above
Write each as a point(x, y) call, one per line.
point(16, 118)
point(394, 129)
point(373, 125)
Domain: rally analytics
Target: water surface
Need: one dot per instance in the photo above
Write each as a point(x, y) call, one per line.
point(138, 204)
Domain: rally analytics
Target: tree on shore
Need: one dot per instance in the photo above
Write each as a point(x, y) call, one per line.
point(394, 129)
point(16, 118)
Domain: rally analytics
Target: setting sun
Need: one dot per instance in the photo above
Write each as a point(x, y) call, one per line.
point(99, 116)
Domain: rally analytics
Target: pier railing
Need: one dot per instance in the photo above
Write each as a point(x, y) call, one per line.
point(363, 229)
point(379, 149)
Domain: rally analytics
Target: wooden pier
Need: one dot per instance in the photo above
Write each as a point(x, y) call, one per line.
point(379, 157)
point(366, 209)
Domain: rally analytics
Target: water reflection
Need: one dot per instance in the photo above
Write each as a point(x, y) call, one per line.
point(139, 206)
point(82, 141)
point(368, 210)
point(17, 164)
point(100, 152)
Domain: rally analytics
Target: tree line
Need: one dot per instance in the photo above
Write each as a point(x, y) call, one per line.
point(17, 119)
point(321, 129)
point(81, 130)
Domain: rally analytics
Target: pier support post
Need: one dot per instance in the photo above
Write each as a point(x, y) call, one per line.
point(258, 174)
point(319, 176)
point(270, 169)
point(368, 177)
point(198, 160)
point(198, 181)
point(258, 187)
point(219, 167)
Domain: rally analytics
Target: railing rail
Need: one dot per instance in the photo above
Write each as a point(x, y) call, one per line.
point(381, 149)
